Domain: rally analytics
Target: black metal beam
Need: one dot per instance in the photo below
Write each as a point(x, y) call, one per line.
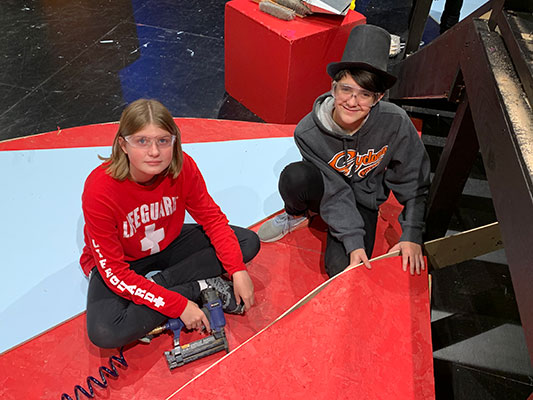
point(504, 138)
point(417, 24)
point(430, 72)
point(497, 8)
point(454, 166)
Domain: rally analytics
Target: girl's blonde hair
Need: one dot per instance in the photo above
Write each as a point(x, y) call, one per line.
point(135, 117)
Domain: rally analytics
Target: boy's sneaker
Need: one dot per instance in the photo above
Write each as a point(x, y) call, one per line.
point(226, 294)
point(277, 227)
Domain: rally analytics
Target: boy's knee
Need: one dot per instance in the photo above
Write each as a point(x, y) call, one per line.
point(299, 176)
point(292, 174)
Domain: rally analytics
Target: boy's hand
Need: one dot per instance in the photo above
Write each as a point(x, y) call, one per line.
point(357, 257)
point(412, 255)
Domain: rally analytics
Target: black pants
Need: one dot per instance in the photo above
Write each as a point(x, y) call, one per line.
point(113, 321)
point(301, 188)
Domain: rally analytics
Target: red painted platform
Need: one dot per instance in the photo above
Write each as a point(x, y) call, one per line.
point(193, 130)
point(369, 329)
point(277, 68)
point(368, 324)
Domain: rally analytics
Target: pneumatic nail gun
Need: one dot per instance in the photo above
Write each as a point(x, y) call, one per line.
point(215, 342)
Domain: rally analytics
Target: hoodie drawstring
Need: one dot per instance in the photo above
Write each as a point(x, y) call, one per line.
point(345, 148)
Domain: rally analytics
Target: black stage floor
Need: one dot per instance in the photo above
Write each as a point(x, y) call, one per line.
point(79, 62)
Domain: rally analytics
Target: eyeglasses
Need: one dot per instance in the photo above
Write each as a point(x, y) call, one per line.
point(345, 92)
point(143, 142)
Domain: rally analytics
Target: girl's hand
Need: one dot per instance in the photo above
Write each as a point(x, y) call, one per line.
point(194, 318)
point(243, 287)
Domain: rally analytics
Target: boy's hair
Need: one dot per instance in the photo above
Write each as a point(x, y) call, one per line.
point(366, 79)
point(135, 117)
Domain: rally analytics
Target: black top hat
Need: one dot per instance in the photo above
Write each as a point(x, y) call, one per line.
point(367, 48)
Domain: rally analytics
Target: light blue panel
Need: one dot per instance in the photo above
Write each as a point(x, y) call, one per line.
point(41, 239)
point(437, 7)
point(469, 6)
point(242, 176)
point(42, 226)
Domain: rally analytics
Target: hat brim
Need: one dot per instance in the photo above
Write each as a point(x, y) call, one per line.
point(388, 79)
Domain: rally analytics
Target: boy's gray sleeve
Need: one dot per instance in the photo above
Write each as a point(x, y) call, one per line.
point(407, 175)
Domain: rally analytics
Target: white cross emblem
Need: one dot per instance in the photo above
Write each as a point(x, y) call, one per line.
point(152, 238)
point(159, 302)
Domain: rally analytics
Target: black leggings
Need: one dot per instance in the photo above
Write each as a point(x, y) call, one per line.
point(113, 321)
point(301, 188)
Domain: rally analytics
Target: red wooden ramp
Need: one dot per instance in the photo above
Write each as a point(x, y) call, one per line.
point(364, 335)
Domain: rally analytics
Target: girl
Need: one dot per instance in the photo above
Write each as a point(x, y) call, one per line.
point(144, 264)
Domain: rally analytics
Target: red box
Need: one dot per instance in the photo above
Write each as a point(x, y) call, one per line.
point(277, 68)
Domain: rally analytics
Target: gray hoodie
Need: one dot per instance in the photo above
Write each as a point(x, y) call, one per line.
point(385, 154)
